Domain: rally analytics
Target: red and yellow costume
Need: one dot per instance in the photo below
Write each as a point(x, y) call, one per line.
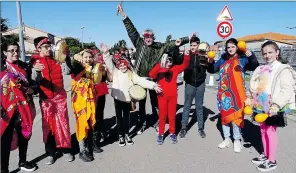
point(84, 99)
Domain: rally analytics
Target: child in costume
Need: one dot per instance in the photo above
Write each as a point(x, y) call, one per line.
point(123, 78)
point(272, 88)
point(53, 99)
point(166, 77)
point(85, 74)
point(17, 107)
point(231, 90)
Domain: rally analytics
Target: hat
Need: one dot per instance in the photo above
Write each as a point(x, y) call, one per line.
point(39, 41)
point(123, 60)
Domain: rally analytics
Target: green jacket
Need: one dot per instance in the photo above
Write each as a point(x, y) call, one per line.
point(147, 56)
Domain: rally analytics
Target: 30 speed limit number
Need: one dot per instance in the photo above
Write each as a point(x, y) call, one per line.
point(224, 29)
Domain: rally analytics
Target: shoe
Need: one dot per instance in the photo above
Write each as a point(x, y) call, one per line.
point(260, 159)
point(173, 138)
point(237, 146)
point(141, 131)
point(86, 156)
point(202, 133)
point(225, 143)
point(69, 157)
point(128, 140)
point(267, 166)
point(160, 139)
point(183, 133)
point(27, 166)
point(97, 149)
point(50, 160)
point(121, 141)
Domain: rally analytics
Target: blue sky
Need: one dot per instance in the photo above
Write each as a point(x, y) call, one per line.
point(176, 18)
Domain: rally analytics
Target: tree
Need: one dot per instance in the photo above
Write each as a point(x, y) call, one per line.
point(72, 42)
point(8, 39)
point(168, 38)
point(74, 50)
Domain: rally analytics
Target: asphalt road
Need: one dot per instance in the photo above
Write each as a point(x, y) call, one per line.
point(189, 155)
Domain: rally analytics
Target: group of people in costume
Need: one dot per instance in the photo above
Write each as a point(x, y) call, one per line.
point(269, 92)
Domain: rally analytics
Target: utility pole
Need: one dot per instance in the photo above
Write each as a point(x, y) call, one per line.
point(82, 36)
point(21, 34)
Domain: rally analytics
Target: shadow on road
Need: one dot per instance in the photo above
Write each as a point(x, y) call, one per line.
point(250, 133)
point(206, 112)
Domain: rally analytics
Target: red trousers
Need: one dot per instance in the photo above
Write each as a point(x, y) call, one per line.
point(167, 106)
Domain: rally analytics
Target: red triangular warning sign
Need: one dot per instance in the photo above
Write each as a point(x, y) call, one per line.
point(225, 14)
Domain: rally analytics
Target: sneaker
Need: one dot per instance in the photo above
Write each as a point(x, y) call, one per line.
point(183, 133)
point(27, 166)
point(225, 143)
point(50, 160)
point(260, 159)
point(86, 156)
point(140, 131)
point(69, 157)
point(267, 166)
point(202, 133)
point(160, 139)
point(121, 141)
point(128, 140)
point(173, 138)
point(237, 146)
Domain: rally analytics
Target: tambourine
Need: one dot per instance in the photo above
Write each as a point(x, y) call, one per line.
point(137, 93)
point(60, 51)
point(164, 59)
point(203, 48)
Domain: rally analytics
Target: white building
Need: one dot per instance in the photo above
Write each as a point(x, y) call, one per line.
point(30, 33)
point(255, 41)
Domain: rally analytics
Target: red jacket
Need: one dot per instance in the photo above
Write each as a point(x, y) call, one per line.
point(52, 81)
point(167, 78)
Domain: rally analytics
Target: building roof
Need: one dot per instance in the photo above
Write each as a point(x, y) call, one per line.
point(270, 36)
point(32, 28)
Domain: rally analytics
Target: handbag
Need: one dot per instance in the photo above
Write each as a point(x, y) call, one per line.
point(278, 120)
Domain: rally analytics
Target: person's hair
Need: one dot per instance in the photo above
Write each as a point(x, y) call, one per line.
point(275, 47)
point(235, 42)
point(150, 31)
point(88, 51)
point(194, 40)
point(5, 45)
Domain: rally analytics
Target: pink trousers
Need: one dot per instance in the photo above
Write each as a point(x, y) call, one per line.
point(269, 141)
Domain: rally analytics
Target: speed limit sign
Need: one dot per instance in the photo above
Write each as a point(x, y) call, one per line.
point(224, 29)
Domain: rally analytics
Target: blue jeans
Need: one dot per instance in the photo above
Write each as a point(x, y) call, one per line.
point(192, 92)
point(235, 129)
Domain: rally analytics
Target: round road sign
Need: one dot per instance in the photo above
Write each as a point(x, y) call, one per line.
point(224, 29)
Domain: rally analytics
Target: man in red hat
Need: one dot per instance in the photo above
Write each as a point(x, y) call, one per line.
point(17, 108)
point(53, 100)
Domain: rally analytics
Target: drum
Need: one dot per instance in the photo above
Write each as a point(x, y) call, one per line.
point(60, 51)
point(203, 48)
point(163, 60)
point(137, 92)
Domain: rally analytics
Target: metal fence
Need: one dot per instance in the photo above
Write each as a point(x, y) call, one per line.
point(287, 54)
